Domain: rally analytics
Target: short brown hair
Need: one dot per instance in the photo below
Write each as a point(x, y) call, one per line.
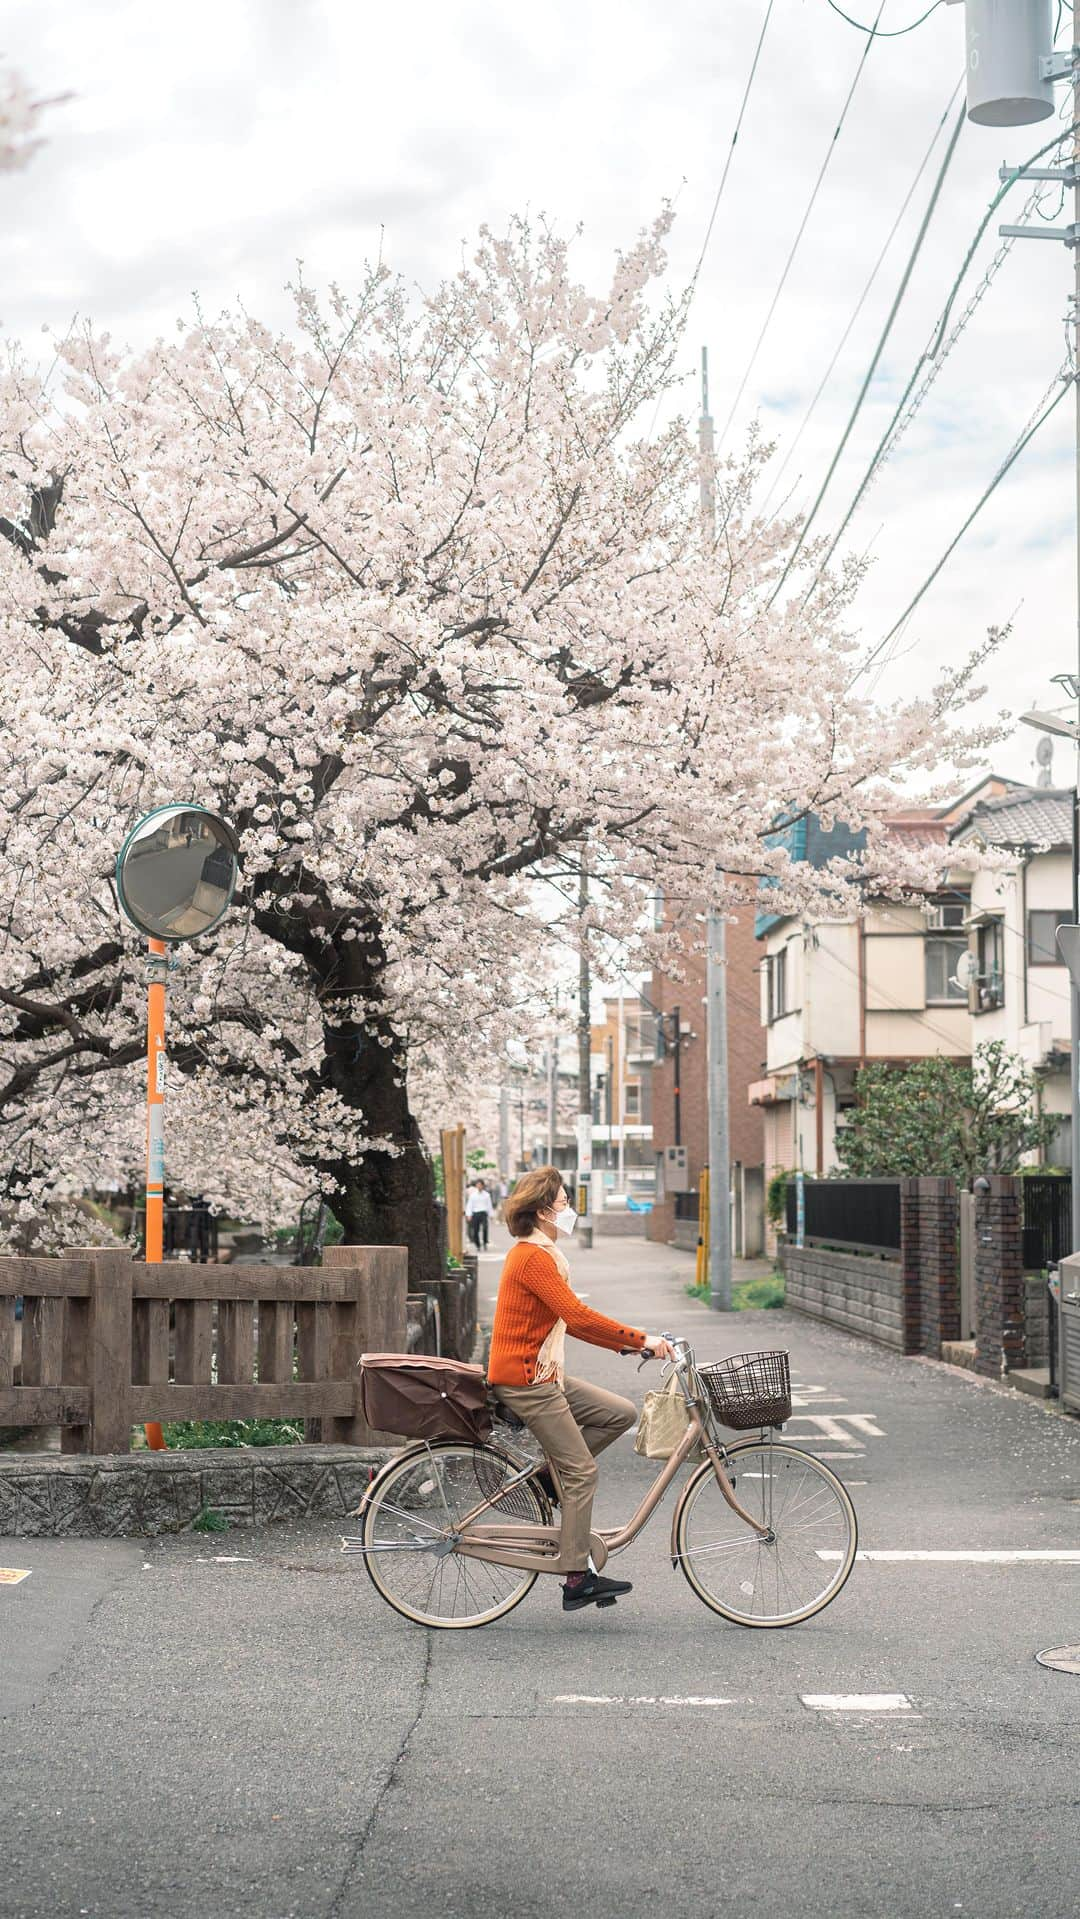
point(534, 1194)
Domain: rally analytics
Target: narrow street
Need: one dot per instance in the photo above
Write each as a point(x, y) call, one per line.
point(235, 1723)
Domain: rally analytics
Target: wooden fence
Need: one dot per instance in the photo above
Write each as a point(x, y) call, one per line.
point(109, 1342)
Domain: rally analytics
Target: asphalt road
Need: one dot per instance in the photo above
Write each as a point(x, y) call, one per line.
point(235, 1724)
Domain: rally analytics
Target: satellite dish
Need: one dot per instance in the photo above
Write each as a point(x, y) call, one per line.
point(967, 970)
point(177, 872)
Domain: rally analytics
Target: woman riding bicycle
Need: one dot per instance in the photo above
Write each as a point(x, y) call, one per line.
point(571, 1419)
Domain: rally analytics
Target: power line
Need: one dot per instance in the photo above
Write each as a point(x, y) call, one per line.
point(734, 139)
point(879, 349)
point(723, 180)
point(901, 426)
point(875, 269)
point(1063, 380)
point(831, 149)
point(896, 33)
point(930, 352)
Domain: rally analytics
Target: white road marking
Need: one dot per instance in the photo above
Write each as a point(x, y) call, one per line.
point(822, 1452)
point(636, 1699)
point(834, 1426)
point(856, 1701)
point(1062, 1556)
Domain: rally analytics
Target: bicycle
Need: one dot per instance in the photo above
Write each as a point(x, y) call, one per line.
point(774, 1557)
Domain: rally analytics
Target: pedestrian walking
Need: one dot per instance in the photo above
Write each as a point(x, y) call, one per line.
point(478, 1211)
point(572, 1420)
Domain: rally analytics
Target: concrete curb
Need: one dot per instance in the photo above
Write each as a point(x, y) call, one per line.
point(50, 1495)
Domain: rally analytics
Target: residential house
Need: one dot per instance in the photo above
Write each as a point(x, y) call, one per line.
point(839, 994)
point(1020, 990)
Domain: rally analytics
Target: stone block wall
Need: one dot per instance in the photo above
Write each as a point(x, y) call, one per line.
point(46, 1495)
point(1036, 1320)
point(856, 1291)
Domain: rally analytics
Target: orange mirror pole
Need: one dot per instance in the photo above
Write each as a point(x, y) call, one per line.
point(156, 973)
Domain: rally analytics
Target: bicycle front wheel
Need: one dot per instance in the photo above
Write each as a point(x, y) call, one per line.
point(410, 1515)
point(789, 1577)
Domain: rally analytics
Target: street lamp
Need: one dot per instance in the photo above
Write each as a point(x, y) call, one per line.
point(175, 877)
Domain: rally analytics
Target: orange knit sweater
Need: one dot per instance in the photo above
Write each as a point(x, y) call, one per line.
point(532, 1296)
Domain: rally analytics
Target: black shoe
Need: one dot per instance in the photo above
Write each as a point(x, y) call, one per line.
point(547, 1485)
point(594, 1590)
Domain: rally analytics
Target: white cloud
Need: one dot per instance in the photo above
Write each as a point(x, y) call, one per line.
point(210, 145)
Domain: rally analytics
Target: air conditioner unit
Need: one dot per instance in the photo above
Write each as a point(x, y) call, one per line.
point(676, 1173)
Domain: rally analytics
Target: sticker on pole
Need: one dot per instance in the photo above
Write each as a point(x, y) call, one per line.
point(11, 1575)
point(159, 1072)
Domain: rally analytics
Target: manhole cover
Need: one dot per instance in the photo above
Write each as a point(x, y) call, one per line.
point(1061, 1659)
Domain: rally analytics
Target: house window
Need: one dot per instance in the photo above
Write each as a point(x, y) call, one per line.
point(945, 941)
point(778, 984)
point(1042, 925)
point(990, 986)
point(942, 957)
point(632, 1100)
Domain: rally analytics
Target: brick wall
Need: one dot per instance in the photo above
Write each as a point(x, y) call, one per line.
point(746, 1047)
point(1000, 1343)
point(929, 1226)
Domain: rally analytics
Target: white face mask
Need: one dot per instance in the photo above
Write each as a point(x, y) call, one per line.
point(566, 1221)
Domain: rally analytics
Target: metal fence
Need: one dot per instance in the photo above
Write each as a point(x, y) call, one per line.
point(1047, 1219)
point(858, 1215)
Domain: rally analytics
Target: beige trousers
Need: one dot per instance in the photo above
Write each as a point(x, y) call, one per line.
point(572, 1423)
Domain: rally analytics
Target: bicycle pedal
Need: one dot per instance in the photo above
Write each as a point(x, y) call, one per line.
point(608, 1600)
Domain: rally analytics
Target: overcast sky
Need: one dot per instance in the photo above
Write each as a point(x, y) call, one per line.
point(209, 146)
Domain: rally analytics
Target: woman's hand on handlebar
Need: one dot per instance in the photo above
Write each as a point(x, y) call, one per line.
point(657, 1347)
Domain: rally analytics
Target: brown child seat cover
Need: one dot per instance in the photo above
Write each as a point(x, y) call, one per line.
point(424, 1398)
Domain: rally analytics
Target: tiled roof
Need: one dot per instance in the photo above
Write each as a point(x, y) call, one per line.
point(1028, 816)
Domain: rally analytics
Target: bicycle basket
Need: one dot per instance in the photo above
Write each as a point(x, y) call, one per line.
point(749, 1389)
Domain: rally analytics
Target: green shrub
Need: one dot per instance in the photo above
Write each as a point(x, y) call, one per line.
point(749, 1295)
point(776, 1197)
point(185, 1435)
point(209, 1521)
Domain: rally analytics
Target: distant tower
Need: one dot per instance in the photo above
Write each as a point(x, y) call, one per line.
point(706, 449)
point(1044, 753)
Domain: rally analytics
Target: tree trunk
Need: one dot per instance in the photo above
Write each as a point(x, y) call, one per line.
point(384, 1199)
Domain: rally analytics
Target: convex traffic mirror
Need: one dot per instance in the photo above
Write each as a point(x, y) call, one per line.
point(176, 872)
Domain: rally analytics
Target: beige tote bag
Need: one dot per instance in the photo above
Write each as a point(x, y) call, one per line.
point(663, 1421)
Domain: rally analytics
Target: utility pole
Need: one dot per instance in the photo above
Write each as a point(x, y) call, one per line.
point(620, 1184)
point(504, 1135)
point(1011, 71)
point(584, 1046)
point(716, 975)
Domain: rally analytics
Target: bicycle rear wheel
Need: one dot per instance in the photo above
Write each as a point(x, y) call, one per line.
point(782, 1581)
point(410, 1514)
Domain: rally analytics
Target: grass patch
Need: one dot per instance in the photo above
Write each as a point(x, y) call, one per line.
point(749, 1295)
point(186, 1435)
point(209, 1521)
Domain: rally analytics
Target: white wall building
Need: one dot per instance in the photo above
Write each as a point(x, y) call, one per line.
point(1021, 992)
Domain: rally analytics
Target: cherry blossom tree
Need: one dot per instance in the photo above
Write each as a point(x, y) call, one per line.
point(414, 597)
point(20, 120)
